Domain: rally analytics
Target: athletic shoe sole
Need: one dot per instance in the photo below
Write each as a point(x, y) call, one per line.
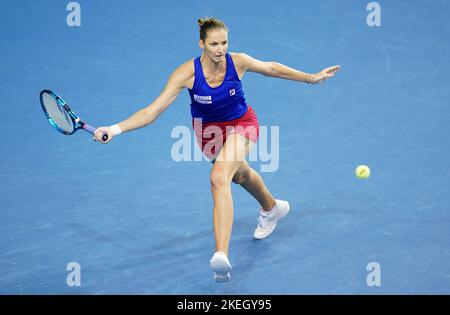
point(221, 270)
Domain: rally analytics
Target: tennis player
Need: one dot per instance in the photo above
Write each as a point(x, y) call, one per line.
point(226, 127)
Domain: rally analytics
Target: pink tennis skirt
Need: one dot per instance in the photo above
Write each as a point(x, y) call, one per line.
point(212, 135)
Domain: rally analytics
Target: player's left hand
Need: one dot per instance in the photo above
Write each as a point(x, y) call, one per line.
point(325, 74)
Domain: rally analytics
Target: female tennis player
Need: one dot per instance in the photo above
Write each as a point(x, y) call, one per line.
point(226, 127)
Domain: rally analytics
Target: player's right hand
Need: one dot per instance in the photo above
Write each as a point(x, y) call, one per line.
point(100, 132)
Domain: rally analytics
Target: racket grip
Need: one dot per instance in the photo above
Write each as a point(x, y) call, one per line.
point(92, 130)
point(89, 128)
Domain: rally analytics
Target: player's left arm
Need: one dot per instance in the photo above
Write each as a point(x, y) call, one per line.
point(278, 70)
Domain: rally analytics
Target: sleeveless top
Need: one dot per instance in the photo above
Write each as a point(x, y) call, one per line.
point(222, 103)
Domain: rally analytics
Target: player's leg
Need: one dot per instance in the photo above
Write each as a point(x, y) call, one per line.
point(228, 161)
point(252, 182)
point(230, 158)
point(272, 209)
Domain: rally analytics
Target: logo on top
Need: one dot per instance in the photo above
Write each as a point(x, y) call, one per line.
point(203, 99)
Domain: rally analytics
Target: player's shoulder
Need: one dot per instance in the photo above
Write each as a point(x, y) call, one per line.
point(183, 75)
point(185, 71)
point(240, 58)
point(187, 67)
point(238, 55)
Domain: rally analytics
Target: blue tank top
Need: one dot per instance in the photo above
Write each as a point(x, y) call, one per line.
point(223, 103)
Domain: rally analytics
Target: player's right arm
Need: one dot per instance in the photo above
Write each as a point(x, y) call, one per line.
point(178, 80)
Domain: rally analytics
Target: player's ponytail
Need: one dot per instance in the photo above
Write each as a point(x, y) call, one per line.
point(207, 24)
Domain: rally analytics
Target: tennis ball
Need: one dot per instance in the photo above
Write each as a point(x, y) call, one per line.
point(362, 171)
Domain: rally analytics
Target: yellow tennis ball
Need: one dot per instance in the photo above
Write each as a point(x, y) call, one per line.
point(362, 171)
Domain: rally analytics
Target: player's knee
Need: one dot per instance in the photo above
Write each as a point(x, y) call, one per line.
point(241, 177)
point(218, 180)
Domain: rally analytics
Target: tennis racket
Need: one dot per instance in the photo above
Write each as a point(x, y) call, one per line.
point(61, 117)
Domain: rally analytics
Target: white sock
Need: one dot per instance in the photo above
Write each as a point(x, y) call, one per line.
point(270, 211)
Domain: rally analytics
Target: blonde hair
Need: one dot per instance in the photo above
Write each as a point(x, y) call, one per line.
point(208, 23)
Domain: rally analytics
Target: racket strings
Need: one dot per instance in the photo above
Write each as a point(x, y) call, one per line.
point(57, 113)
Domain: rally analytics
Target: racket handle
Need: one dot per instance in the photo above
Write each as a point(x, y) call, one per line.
point(92, 130)
point(89, 128)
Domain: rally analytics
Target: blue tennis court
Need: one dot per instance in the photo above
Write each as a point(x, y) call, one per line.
point(136, 221)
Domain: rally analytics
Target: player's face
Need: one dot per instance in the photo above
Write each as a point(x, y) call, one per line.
point(215, 45)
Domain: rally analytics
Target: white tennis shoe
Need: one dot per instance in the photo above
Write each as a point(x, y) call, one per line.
point(267, 220)
point(221, 267)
